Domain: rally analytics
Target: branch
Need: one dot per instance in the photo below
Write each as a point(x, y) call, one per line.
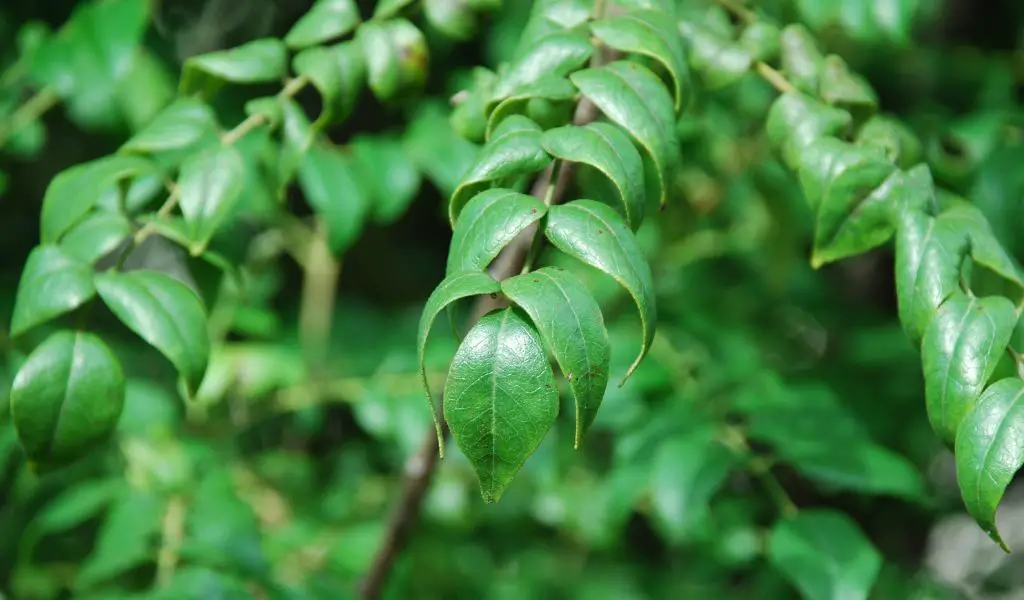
point(419, 468)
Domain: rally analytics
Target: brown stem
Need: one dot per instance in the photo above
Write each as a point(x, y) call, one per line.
point(419, 468)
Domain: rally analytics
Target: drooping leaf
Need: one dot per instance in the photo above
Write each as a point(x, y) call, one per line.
point(570, 323)
point(73, 192)
point(514, 150)
point(634, 98)
point(95, 237)
point(796, 120)
point(557, 54)
point(181, 124)
point(930, 253)
point(500, 398)
point(52, 283)
point(210, 184)
point(66, 398)
point(824, 555)
point(258, 61)
point(960, 351)
point(165, 313)
point(989, 451)
point(456, 287)
point(338, 72)
point(488, 223)
point(595, 234)
point(330, 186)
point(324, 21)
point(610, 151)
point(650, 33)
point(396, 57)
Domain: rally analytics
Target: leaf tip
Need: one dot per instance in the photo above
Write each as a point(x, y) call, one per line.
point(994, 534)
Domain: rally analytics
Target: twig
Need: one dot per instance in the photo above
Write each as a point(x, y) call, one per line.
point(419, 468)
point(173, 532)
point(29, 112)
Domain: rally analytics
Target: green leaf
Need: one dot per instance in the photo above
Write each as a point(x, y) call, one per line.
point(488, 223)
point(845, 89)
point(570, 323)
point(610, 151)
point(338, 72)
point(796, 120)
point(396, 57)
point(165, 313)
point(762, 40)
point(930, 253)
point(500, 398)
point(179, 126)
point(52, 284)
point(75, 191)
point(960, 351)
point(634, 98)
point(515, 150)
point(686, 472)
point(861, 466)
point(824, 555)
point(329, 183)
point(389, 172)
point(210, 184)
point(95, 237)
point(453, 18)
point(985, 247)
point(553, 90)
point(802, 61)
point(431, 129)
point(456, 287)
point(326, 20)
point(989, 453)
point(259, 61)
point(126, 540)
point(898, 141)
point(557, 54)
point(653, 34)
point(595, 234)
point(66, 398)
point(719, 60)
point(385, 9)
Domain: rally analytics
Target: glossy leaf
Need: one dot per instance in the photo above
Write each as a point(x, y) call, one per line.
point(719, 60)
point(595, 234)
point(802, 61)
point(66, 398)
point(960, 351)
point(500, 398)
point(385, 9)
point(456, 287)
point(488, 223)
point(259, 61)
point(52, 283)
point(75, 191)
point(390, 174)
point(515, 150)
point(324, 21)
point(165, 313)
point(796, 120)
point(551, 89)
point(633, 97)
point(930, 254)
point(843, 88)
point(989, 452)
point(210, 184)
point(181, 124)
point(396, 57)
point(571, 325)
point(610, 151)
point(453, 18)
point(557, 54)
point(824, 555)
point(762, 40)
point(95, 237)
point(329, 183)
point(986, 250)
point(338, 72)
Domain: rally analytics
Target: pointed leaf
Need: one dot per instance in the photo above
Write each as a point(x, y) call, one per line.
point(500, 399)
point(515, 150)
point(396, 57)
point(456, 287)
point(75, 191)
point(551, 89)
point(633, 97)
point(339, 73)
point(51, 285)
point(653, 34)
point(555, 54)
point(718, 60)
point(986, 249)
point(96, 236)
point(989, 451)
point(570, 323)
point(178, 126)
point(66, 398)
point(165, 313)
point(610, 151)
point(930, 253)
point(796, 120)
point(328, 180)
point(210, 184)
point(843, 88)
point(595, 234)
point(259, 61)
point(488, 223)
point(802, 61)
point(960, 351)
point(825, 555)
point(326, 20)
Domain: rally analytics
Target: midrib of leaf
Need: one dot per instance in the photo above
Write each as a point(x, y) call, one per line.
point(494, 396)
point(179, 337)
point(991, 444)
point(621, 161)
point(949, 363)
point(67, 392)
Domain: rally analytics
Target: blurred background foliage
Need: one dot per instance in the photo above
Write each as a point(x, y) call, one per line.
point(771, 387)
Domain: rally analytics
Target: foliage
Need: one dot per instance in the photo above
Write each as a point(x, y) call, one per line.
point(700, 215)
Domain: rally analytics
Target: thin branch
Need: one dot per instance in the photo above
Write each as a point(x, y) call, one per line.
point(420, 467)
point(29, 112)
